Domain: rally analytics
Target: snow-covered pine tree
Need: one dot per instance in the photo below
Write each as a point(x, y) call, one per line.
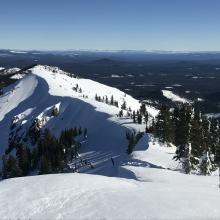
point(182, 137)
point(205, 165)
point(164, 129)
point(217, 152)
point(196, 138)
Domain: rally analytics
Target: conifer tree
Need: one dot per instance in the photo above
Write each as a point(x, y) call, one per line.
point(164, 129)
point(112, 100)
point(45, 166)
point(23, 158)
point(139, 118)
point(12, 168)
point(182, 137)
point(123, 106)
point(217, 153)
point(120, 114)
point(205, 165)
point(143, 109)
point(131, 143)
point(196, 138)
point(134, 117)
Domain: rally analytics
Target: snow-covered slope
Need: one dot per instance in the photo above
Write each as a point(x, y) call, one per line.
point(173, 97)
point(44, 88)
point(161, 194)
point(146, 184)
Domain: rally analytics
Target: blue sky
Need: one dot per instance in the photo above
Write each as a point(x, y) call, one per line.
point(178, 25)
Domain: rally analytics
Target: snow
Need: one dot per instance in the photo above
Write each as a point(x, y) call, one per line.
point(1, 68)
point(148, 149)
point(17, 76)
point(45, 87)
point(175, 98)
point(116, 76)
point(176, 85)
point(7, 71)
point(19, 52)
point(212, 115)
point(200, 99)
point(136, 192)
point(16, 94)
point(147, 184)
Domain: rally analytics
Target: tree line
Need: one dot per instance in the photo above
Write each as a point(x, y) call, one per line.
point(196, 137)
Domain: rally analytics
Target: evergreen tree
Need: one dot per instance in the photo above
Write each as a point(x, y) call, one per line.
point(123, 106)
point(196, 138)
point(45, 166)
point(164, 129)
point(120, 114)
point(96, 97)
point(143, 109)
point(146, 117)
point(112, 100)
point(12, 168)
point(80, 131)
point(217, 153)
point(134, 117)
point(131, 144)
point(182, 137)
point(106, 99)
point(139, 118)
point(205, 159)
point(23, 158)
point(205, 165)
point(34, 158)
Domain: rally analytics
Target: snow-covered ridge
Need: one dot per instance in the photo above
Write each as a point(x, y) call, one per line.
point(89, 88)
point(44, 88)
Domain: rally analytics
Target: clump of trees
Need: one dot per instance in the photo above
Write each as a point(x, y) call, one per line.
point(76, 88)
point(50, 154)
point(196, 137)
point(106, 100)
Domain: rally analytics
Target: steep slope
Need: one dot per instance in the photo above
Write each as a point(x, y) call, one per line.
point(44, 88)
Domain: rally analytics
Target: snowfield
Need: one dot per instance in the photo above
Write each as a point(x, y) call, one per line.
point(147, 191)
point(173, 97)
point(147, 184)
